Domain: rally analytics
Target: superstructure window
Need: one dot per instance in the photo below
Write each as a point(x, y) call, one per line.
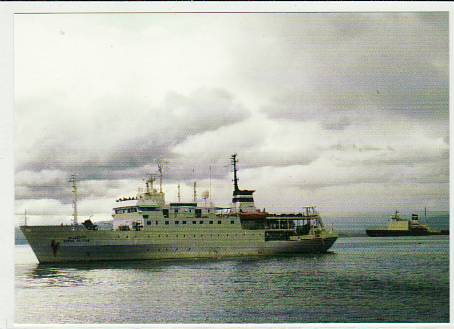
point(157, 222)
point(145, 216)
point(148, 222)
point(211, 222)
point(201, 222)
point(184, 222)
point(177, 222)
point(219, 222)
point(166, 222)
point(232, 222)
point(194, 222)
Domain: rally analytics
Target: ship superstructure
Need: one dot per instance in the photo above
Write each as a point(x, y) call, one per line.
point(146, 227)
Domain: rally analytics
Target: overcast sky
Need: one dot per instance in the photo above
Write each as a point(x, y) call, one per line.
point(345, 111)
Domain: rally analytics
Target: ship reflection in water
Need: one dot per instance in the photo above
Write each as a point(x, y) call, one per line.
point(363, 280)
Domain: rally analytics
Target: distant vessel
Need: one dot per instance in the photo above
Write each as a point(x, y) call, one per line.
point(145, 227)
point(405, 227)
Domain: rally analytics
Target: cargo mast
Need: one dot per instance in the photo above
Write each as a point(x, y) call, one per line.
point(161, 163)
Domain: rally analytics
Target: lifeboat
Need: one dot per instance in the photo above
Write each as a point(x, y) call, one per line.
point(253, 215)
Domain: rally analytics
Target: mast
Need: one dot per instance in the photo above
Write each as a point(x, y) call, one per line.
point(160, 176)
point(195, 191)
point(73, 180)
point(25, 217)
point(235, 178)
point(209, 195)
point(179, 195)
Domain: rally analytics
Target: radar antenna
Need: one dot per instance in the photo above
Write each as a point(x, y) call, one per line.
point(73, 180)
point(235, 178)
point(149, 182)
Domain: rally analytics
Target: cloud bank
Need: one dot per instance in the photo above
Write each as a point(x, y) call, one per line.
point(345, 110)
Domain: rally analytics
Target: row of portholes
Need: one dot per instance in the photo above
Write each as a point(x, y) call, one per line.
point(201, 235)
point(174, 249)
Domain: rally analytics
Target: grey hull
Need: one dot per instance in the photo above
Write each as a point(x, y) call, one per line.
point(152, 251)
point(58, 245)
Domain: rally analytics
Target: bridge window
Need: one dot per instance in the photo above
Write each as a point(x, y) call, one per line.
point(145, 216)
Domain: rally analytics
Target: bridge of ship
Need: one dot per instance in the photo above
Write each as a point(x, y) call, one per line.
point(286, 226)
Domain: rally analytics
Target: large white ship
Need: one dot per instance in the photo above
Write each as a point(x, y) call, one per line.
point(146, 227)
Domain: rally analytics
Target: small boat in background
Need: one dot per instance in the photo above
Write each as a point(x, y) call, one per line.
point(404, 227)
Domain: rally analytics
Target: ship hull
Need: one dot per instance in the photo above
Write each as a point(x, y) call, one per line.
point(385, 233)
point(57, 246)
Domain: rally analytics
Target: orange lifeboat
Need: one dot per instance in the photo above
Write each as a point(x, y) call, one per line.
point(253, 215)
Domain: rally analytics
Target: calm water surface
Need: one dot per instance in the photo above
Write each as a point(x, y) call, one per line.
point(363, 280)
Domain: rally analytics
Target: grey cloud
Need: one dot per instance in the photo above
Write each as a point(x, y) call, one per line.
point(138, 133)
point(365, 63)
point(359, 148)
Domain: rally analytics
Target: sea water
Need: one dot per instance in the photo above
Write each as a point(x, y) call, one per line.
point(363, 279)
